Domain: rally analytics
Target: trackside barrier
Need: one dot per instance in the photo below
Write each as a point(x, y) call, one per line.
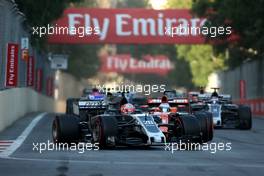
point(246, 84)
point(251, 74)
point(15, 103)
point(32, 71)
point(28, 87)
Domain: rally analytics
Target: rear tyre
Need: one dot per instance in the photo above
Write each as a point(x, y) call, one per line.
point(206, 124)
point(191, 126)
point(245, 117)
point(211, 126)
point(104, 127)
point(65, 129)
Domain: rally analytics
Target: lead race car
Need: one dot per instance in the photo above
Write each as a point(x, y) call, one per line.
point(225, 113)
point(92, 119)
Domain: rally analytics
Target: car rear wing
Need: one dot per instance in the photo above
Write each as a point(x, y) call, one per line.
point(93, 107)
point(154, 102)
point(225, 98)
point(89, 104)
point(204, 97)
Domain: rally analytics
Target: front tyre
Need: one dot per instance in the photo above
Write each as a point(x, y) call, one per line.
point(245, 117)
point(206, 124)
point(65, 129)
point(104, 127)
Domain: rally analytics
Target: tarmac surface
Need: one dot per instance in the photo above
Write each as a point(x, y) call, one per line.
point(232, 152)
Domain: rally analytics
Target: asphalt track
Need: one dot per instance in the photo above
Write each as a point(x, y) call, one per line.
point(17, 156)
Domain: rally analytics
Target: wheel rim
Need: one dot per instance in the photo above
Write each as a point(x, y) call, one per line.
point(97, 132)
point(54, 132)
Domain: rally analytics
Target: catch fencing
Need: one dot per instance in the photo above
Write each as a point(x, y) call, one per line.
point(246, 84)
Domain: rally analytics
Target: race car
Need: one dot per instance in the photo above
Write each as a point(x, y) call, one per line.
point(178, 123)
point(193, 97)
point(91, 121)
point(139, 100)
point(225, 113)
point(92, 103)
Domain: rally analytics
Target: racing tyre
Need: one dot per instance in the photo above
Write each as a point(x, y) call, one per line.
point(190, 125)
point(104, 127)
point(69, 105)
point(65, 129)
point(211, 126)
point(245, 117)
point(206, 124)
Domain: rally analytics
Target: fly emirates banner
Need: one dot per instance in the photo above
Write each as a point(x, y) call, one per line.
point(143, 26)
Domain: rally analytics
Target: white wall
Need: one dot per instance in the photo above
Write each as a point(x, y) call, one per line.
point(16, 102)
point(66, 86)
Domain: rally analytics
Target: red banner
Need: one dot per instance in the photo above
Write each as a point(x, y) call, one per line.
point(124, 26)
point(49, 86)
point(30, 71)
point(11, 65)
point(39, 80)
point(242, 89)
point(124, 63)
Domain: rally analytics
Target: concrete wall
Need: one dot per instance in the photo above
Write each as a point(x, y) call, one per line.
point(251, 72)
point(16, 102)
point(66, 86)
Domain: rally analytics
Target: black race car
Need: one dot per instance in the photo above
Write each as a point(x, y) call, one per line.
point(99, 121)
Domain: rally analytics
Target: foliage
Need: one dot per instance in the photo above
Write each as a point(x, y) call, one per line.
point(201, 58)
point(132, 4)
point(245, 18)
point(83, 60)
point(179, 4)
point(41, 13)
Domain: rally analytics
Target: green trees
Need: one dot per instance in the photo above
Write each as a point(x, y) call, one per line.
point(180, 4)
point(245, 18)
point(132, 4)
point(83, 61)
point(196, 61)
point(41, 13)
point(201, 58)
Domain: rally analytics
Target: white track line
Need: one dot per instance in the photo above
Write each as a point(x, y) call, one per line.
point(135, 163)
point(20, 139)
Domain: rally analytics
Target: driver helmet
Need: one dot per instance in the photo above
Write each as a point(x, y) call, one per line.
point(95, 91)
point(164, 107)
point(127, 108)
point(195, 98)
